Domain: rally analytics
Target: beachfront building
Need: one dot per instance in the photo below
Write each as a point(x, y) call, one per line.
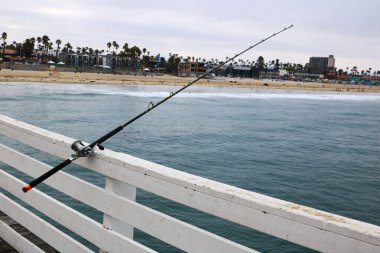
point(11, 55)
point(307, 76)
point(45, 55)
point(274, 73)
point(191, 69)
point(103, 61)
point(321, 64)
point(218, 72)
point(238, 71)
point(75, 60)
point(14, 56)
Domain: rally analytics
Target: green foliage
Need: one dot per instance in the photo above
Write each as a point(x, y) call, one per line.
point(28, 48)
point(135, 52)
point(173, 62)
point(145, 60)
point(4, 36)
point(163, 62)
point(260, 63)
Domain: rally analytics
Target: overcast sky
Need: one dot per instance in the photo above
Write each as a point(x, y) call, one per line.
point(208, 28)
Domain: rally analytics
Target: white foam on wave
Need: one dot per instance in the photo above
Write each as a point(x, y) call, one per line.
point(201, 93)
point(205, 95)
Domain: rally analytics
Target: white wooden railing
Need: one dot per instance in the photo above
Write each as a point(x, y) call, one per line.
point(305, 226)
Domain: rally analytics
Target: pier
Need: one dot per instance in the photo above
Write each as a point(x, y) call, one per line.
point(10, 228)
point(124, 174)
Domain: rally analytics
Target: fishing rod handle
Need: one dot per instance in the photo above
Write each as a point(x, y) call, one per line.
point(54, 170)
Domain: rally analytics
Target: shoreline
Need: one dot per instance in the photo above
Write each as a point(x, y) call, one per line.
point(7, 75)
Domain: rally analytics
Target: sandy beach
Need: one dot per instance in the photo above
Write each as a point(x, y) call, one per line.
point(7, 75)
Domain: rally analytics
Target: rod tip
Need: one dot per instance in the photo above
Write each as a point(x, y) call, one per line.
point(26, 188)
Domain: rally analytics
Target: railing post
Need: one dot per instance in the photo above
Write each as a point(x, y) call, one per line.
point(126, 191)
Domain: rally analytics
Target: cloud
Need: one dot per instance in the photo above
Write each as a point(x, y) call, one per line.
point(207, 29)
point(57, 13)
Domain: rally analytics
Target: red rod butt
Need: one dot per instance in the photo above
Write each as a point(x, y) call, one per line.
point(26, 188)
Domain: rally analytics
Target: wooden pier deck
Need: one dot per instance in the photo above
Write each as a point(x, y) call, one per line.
point(6, 248)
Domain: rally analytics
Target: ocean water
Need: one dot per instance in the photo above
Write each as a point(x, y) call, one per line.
point(320, 149)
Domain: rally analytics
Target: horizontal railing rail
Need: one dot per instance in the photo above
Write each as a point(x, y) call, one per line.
point(305, 226)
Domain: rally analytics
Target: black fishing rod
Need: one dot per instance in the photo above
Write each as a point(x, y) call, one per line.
point(84, 151)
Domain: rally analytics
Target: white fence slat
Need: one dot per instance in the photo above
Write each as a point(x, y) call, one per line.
point(161, 226)
point(17, 241)
point(127, 191)
point(299, 224)
point(72, 219)
point(44, 230)
point(275, 217)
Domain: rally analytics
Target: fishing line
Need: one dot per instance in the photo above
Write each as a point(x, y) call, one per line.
point(83, 151)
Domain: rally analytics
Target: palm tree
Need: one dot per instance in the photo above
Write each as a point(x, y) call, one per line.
point(125, 47)
point(109, 44)
point(58, 42)
point(68, 47)
point(39, 40)
point(4, 36)
point(50, 48)
point(116, 47)
point(114, 43)
point(355, 70)
point(33, 42)
point(45, 42)
point(19, 46)
point(126, 51)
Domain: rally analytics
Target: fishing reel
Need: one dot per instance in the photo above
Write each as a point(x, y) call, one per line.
point(82, 150)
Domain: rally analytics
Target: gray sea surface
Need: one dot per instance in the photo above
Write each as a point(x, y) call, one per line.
point(320, 149)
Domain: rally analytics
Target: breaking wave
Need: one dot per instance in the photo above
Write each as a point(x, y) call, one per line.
point(193, 92)
point(205, 95)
